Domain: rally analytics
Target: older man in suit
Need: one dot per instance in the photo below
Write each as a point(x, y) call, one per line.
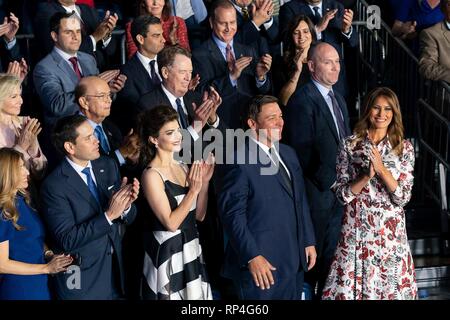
point(195, 111)
point(264, 210)
point(141, 70)
point(83, 203)
point(56, 76)
point(96, 35)
point(232, 68)
point(316, 121)
point(94, 99)
point(434, 62)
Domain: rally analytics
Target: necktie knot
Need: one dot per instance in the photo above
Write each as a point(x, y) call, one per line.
point(74, 62)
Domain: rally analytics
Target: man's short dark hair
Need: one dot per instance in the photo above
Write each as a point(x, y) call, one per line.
point(255, 105)
point(55, 20)
point(140, 26)
point(219, 4)
point(65, 130)
point(166, 56)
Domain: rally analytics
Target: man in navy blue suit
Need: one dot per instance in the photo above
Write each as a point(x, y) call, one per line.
point(83, 203)
point(316, 121)
point(264, 210)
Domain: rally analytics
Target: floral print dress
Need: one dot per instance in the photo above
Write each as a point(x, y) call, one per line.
point(372, 260)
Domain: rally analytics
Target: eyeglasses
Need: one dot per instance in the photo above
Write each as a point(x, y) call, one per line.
point(103, 96)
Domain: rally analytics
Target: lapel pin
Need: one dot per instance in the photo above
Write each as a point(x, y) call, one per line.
point(101, 170)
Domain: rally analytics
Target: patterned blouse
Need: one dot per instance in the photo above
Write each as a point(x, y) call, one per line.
point(373, 259)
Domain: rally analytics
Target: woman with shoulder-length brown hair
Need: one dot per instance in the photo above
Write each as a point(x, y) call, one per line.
point(23, 269)
point(291, 70)
point(374, 181)
point(174, 28)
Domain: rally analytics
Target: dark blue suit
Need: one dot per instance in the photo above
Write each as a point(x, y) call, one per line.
point(311, 131)
point(261, 216)
point(332, 34)
point(77, 225)
point(210, 64)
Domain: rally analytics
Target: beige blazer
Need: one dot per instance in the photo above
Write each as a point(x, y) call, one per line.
point(434, 62)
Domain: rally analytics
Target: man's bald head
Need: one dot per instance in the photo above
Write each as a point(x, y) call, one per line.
point(93, 95)
point(324, 64)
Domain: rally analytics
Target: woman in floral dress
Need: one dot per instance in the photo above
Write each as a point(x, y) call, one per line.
point(374, 180)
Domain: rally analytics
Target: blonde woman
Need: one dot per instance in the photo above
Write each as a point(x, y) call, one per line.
point(19, 132)
point(374, 180)
point(23, 271)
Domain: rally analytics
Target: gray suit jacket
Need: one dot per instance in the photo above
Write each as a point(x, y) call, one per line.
point(434, 60)
point(55, 82)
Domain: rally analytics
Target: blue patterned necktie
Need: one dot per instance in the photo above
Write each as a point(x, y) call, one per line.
point(181, 114)
point(91, 184)
point(99, 133)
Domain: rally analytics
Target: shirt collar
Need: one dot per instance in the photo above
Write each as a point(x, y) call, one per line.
point(222, 45)
point(323, 90)
point(317, 5)
point(171, 97)
point(264, 147)
point(77, 167)
point(64, 54)
point(145, 60)
point(447, 23)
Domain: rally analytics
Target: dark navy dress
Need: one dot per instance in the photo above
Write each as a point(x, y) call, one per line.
point(26, 246)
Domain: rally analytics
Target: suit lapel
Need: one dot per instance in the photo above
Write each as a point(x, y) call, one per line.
point(317, 96)
point(217, 55)
point(445, 32)
point(65, 67)
point(74, 180)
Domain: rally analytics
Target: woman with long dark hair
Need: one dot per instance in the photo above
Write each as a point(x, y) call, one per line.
point(374, 180)
point(173, 264)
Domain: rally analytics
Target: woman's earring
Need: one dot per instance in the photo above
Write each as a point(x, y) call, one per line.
point(156, 145)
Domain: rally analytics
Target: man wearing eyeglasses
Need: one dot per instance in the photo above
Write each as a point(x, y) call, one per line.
point(94, 98)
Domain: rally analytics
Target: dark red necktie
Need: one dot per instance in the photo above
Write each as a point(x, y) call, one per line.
point(74, 62)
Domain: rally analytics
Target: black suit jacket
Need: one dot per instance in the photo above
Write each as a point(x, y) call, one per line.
point(210, 64)
point(6, 56)
point(332, 34)
point(46, 10)
point(138, 83)
point(77, 225)
point(310, 130)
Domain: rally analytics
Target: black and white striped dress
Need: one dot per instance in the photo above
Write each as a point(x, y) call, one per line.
point(173, 264)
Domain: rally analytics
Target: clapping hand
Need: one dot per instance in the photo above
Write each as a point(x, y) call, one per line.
point(208, 168)
point(9, 27)
point(18, 69)
point(376, 163)
point(173, 34)
point(194, 178)
point(26, 137)
point(263, 66)
point(326, 18)
point(107, 26)
point(194, 82)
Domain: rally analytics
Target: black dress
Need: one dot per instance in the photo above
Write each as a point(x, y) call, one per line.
point(173, 264)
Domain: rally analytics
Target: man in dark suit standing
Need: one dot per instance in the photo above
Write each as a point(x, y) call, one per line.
point(264, 210)
point(230, 67)
point(141, 70)
point(83, 203)
point(96, 35)
point(316, 121)
point(333, 25)
point(94, 99)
